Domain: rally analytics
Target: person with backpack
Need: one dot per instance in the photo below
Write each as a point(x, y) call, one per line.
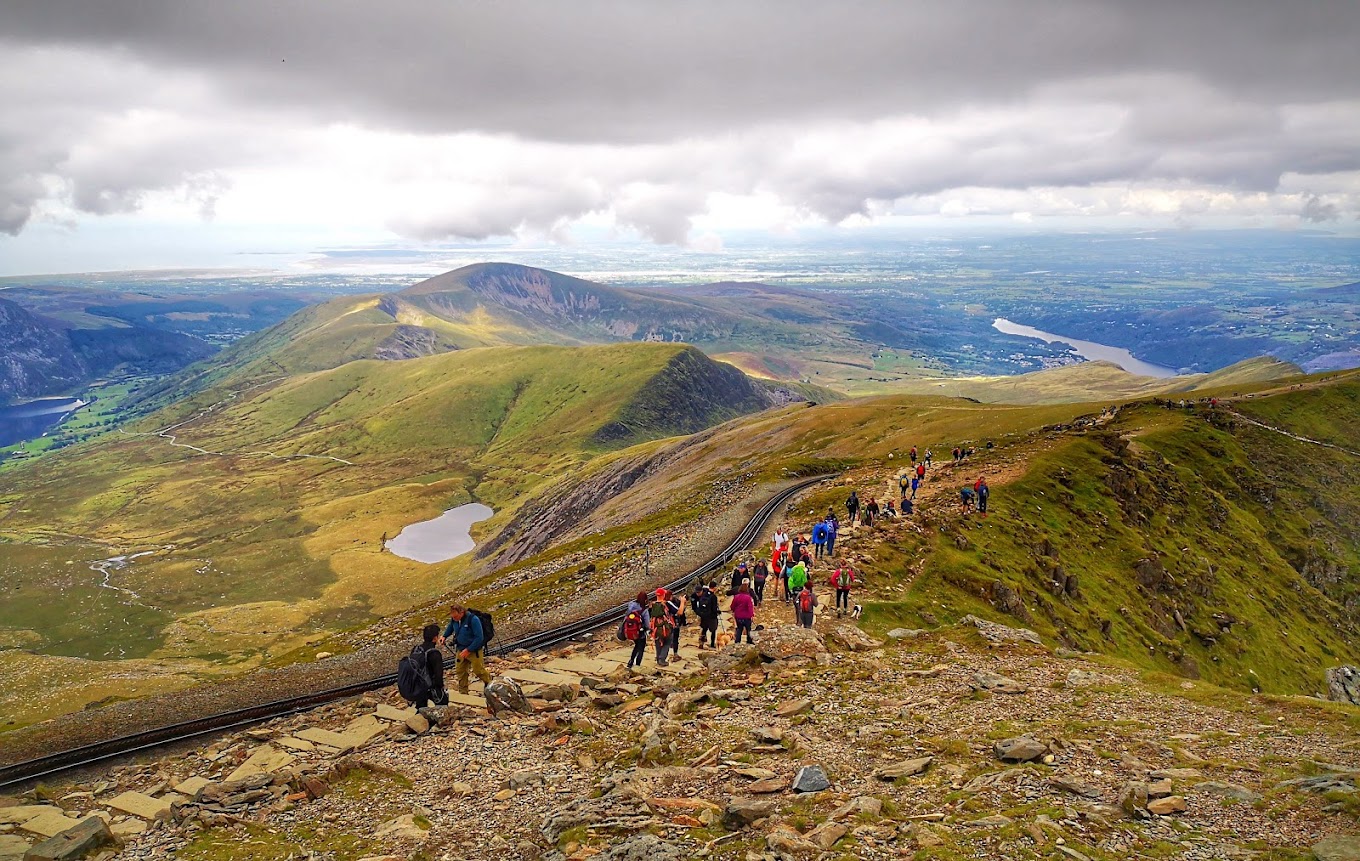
point(841, 580)
point(676, 605)
point(785, 566)
point(759, 575)
point(852, 507)
point(706, 608)
point(420, 675)
point(798, 578)
point(966, 498)
point(806, 605)
point(982, 492)
point(738, 575)
point(781, 538)
point(833, 529)
point(904, 482)
point(819, 538)
point(743, 613)
point(930, 456)
point(871, 511)
point(469, 639)
point(913, 454)
point(663, 627)
point(637, 623)
point(921, 471)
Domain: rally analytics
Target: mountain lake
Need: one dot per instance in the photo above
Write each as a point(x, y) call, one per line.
point(20, 422)
point(1088, 349)
point(442, 538)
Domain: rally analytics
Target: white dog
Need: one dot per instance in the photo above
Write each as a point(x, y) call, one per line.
point(857, 612)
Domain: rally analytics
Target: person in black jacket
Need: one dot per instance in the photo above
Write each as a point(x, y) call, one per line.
point(705, 605)
point(434, 669)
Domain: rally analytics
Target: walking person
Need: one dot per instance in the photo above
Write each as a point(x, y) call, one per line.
point(852, 507)
point(663, 627)
point(706, 608)
point(871, 511)
point(785, 567)
point(759, 575)
point(982, 492)
point(676, 605)
point(913, 454)
point(904, 481)
point(428, 663)
point(915, 486)
point(929, 457)
point(637, 623)
point(921, 471)
point(833, 529)
point(469, 641)
point(841, 580)
point(806, 605)
point(743, 613)
point(819, 538)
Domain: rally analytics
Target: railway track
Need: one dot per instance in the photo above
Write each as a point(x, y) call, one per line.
point(91, 754)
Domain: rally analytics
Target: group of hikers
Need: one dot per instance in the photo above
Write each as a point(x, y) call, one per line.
point(659, 617)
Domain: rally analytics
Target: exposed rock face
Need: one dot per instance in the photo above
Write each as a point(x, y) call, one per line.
point(1000, 633)
point(785, 642)
point(1343, 685)
point(35, 357)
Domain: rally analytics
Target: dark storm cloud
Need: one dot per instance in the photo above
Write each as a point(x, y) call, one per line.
point(643, 109)
point(610, 71)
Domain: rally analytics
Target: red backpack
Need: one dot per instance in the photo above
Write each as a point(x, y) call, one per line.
point(632, 626)
point(805, 600)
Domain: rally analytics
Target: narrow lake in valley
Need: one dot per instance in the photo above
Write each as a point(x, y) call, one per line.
point(19, 422)
point(1088, 349)
point(442, 538)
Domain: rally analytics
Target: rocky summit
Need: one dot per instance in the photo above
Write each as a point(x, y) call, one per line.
point(800, 746)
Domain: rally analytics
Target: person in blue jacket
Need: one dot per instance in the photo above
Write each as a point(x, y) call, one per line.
point(819, 538)
point(469, 641)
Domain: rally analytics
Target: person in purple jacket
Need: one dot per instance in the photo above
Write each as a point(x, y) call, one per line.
point(744, 612)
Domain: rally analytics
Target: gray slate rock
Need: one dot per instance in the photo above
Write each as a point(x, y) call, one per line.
point(504, 694)
point(741, 812)
point(1022, 748)
point(905, 633)
point(1000, 633)
point(75, 842)
point(643, 847)
point(1343, 685)
point(905, 768)
point(986, 680)
point(1339, 847)
point(810, 778)
point(1227, 790)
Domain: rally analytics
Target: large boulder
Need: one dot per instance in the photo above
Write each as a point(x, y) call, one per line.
point(741, 812)
point(1338, 847)
point(853, 639)
point(1343, 685)
point(78, 841)
point(1022, 748)
point(643, 847)
point(505, 694)
point(1000, 633)
point(777, 644)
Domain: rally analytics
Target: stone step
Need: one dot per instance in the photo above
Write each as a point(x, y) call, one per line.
point(477, 701)
point(266, 759)
point(192, 786)
point(49, 824)
point(140, 805)
point(294, 743)
point(542, 678)
point(386, 712)
point(582, 666)
point(325, 738)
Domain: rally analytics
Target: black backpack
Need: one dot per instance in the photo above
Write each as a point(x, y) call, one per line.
point(488, 627)
point(413, 675)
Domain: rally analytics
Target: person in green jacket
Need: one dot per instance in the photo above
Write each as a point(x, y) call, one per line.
point(798, 577)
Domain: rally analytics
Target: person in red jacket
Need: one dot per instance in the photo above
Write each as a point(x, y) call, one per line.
point(841, 580)
point(744, 612)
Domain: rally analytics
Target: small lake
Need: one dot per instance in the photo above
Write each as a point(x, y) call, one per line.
point(440, 539)
point(1088, 349)
point(19, 422)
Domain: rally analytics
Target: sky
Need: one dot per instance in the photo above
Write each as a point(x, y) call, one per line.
point(158, 133)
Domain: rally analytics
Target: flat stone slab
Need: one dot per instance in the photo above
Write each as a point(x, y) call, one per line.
point(20, 814)
point(293, 743)
point(140, 805)
point(12, 847)
point(584, 666)
point(467, 700)
point(325, 737)
point(192, 787)
point(543, 678)
point(362, 729)
point(266, 759)
point(49, 824)
point(396, 715)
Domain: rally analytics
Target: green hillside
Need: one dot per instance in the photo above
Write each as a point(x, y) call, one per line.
point(274, 536)
point(1188, 542)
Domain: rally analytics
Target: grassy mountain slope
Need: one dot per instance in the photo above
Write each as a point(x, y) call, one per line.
point(253, 549)
point(1189, 543)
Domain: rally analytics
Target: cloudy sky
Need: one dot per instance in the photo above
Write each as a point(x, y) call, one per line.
point(175, 132)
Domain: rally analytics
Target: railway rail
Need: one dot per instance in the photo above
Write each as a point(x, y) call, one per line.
point(91, 754)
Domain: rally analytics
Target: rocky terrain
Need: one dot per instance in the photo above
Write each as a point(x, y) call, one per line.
point(976, 740)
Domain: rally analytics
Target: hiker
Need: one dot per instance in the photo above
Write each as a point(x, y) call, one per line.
point(743, 613)
point(966, 498)
point(819, 538)
point(786, 568)
point(930, 456)
point(663, 626)
point(706, 608)
point(982, 492)
point(904, 482)
point(921, 471)
point(798, 578)
point(806, 605)
point(738, 575)
point(871, 511)
point(781, 538)
point(957, 454)
point(759, 574)
point(833, 529)
point(841, 580)
point(913, 454)
point(637, 622)
point(852, 507)
point(428, 663)
point(466, 628)
point(888, 510)
point(915, 486)
point(907, 507)
point(676, 605)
